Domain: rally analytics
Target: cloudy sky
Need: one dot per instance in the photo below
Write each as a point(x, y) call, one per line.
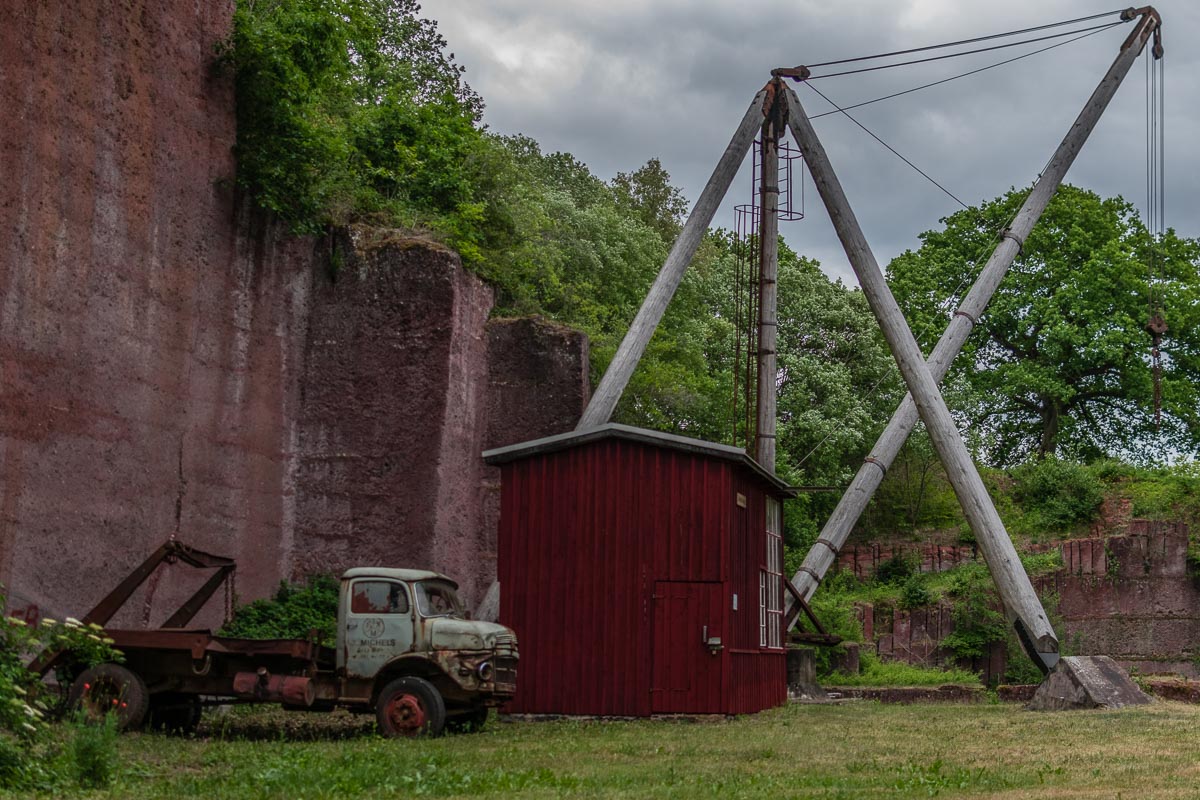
point(616, 82)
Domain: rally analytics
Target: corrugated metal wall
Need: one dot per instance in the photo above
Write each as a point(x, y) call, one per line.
point(757, 678)
point(585, 536)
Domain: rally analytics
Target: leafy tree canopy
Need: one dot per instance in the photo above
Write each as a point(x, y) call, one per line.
point(1060, 362)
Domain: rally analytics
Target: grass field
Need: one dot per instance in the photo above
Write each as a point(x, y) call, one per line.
point(846, 751)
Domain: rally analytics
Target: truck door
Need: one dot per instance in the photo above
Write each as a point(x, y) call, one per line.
point(379, 625)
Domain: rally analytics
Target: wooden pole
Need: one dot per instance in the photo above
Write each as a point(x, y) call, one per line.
point(837, 529)
point(1020, 600)
point(768, 241)
point(616, 377)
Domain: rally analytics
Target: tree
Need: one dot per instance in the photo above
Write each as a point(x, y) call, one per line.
point(352, 107)
point(649, 194)
point(1060, 362)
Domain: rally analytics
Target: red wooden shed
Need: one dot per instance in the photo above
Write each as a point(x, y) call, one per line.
point(643, 574)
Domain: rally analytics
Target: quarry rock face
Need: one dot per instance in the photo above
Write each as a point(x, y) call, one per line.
point(148, 333)
point(406, 382)
point(172, 363)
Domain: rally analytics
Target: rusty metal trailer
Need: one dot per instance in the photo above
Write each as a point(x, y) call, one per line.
point(170, 673)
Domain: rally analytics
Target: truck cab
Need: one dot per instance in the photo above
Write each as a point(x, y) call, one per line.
point(406, 646)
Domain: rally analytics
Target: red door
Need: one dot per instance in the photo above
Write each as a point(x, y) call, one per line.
point(687, 670)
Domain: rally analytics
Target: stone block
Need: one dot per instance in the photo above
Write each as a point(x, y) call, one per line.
point(1082, 682)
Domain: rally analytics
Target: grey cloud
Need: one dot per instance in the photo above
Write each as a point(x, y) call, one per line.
point(619, 82)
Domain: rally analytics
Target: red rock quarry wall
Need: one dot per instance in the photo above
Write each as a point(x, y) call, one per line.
point(1130, 597)
point(170, 365)
point(406, 382)
point(146, 349)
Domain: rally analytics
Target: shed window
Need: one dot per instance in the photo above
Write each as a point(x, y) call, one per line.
point(770, 582)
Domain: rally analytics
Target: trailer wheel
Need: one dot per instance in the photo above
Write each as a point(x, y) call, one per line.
point(173, 712)
point(410, 707)
point(110, 688)
point(470, 722)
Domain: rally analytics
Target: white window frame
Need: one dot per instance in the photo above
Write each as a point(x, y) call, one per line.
point(770, 581)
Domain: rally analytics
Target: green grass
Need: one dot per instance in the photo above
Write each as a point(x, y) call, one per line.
point(897, 673)
point(845, 751)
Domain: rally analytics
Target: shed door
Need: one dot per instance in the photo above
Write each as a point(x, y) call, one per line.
point(687, 672)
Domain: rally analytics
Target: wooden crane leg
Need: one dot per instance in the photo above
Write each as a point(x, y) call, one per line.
point(837, 529)
point(1016, 591)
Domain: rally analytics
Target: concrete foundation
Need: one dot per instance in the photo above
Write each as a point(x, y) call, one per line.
point(1083, 682)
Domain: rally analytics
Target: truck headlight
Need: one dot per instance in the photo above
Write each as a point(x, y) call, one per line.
point(484, 671)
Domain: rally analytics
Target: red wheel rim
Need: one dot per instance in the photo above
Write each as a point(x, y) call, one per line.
point(406, 714)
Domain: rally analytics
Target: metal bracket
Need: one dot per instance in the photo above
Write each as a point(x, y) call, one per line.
point(800, 73)
point(1008, 234)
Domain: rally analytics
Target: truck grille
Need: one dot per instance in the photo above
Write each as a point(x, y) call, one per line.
point(506, 664)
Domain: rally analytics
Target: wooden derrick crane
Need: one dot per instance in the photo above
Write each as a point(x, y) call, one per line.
point(780, 106)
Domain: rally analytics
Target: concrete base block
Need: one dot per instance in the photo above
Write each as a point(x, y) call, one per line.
point(802, 676)
point(1078, 682)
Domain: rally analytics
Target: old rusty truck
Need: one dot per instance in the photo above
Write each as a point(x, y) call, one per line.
point(405, 651)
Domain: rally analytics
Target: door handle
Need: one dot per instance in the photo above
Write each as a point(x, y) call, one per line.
point(712, 643)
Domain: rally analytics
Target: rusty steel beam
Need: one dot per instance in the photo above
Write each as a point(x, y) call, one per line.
point(194, 603)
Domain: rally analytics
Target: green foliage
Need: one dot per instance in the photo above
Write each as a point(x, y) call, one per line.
point(93, 751)
point(895, 570)
point(915, 494)
point(1059, 364)
point(351, 107)
point(977, 622)
point(876, 672)
point(1058, 495)
point(293, 613)
point(836, 612)
point(24, 704)
point(915, 594)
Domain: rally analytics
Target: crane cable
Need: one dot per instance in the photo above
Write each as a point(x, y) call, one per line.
point(967, 41)
point(1156, 202)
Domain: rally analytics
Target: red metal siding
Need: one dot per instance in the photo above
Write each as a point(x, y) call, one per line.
point(758, 677)
point(585, 534)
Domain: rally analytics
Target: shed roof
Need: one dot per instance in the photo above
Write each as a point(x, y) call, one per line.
point(612, 430)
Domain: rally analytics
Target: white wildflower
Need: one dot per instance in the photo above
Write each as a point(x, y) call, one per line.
point(74, 623)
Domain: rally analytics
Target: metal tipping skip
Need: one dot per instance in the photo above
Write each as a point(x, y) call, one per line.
point(837, 529)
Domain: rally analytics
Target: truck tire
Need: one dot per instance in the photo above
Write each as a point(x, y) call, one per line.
point(410, 707)
point(113, 688)
point(470, 722)
point(173, 712)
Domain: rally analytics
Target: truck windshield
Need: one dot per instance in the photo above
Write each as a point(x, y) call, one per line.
point(438, 599)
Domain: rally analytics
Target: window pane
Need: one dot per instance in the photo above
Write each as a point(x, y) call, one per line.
point(438, 599)
point(378, 597)
point(771, 579)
